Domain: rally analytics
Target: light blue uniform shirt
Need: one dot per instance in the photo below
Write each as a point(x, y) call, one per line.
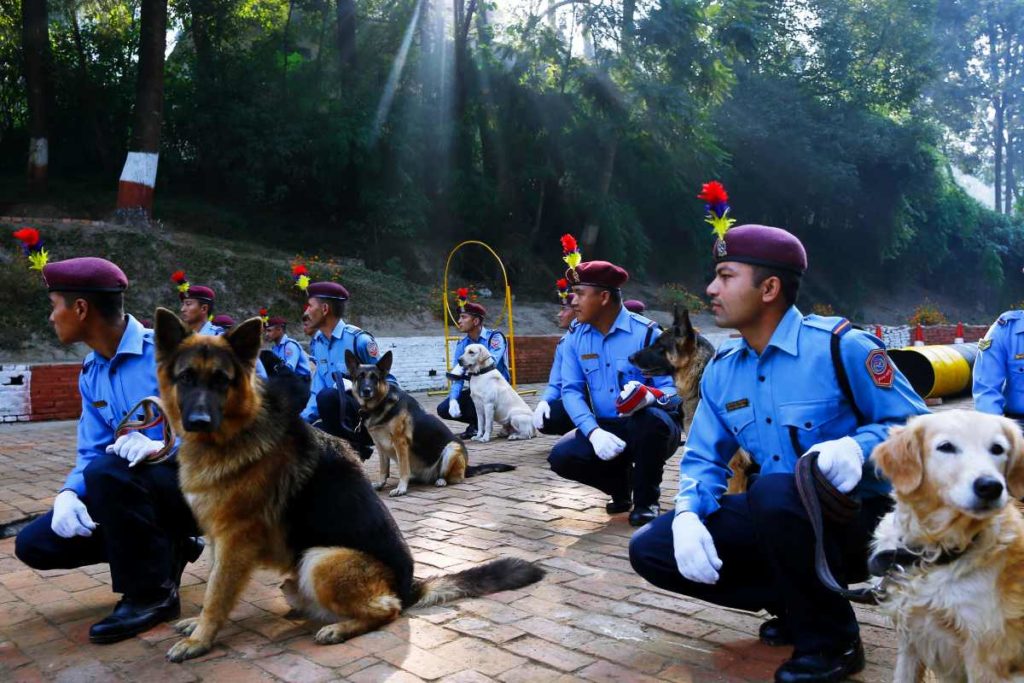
point(109, 389)
point(601, 364)
point(778, 405)
point(999, 367)
point(293, 356)
point(553, 391)
point(496, 345)
point(329, 355)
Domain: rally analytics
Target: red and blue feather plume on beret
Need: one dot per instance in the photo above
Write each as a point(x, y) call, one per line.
point(32, 247)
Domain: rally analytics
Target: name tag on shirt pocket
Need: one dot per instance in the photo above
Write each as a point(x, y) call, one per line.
point(738, 419)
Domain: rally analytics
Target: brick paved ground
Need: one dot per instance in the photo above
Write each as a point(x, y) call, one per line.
point(590, 619)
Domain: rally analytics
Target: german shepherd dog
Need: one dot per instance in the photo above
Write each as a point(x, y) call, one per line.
point(421, 444)
point(681, 351)
point(271, 491)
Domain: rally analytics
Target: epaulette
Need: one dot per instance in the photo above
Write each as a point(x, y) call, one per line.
point(1010, 315)
point(352, 329)
point(88, 360)
point(642, 319)
point(728, 347)
point(831, 324)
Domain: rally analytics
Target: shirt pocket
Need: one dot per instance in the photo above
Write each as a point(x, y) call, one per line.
point(1015, 376)
point(737, 422)
point(808, 422)
point(592, 374)
point(626, 372)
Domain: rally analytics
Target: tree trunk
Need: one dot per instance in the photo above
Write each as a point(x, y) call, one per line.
point(628, 25)
point(88, 94)
point(997, 106)
point(36, 43)
point(138, 178)
point(346, 36)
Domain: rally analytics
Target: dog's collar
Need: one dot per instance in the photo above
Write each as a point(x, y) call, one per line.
point(898, 560)
point(490, 368)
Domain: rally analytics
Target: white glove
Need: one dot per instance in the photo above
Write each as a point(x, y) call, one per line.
point(606, 444)
point(453, 408)
point(541, 413)
point(70, 518)
point(134, 447)
point(696, 557)
point(346, 384)
point(841, 461)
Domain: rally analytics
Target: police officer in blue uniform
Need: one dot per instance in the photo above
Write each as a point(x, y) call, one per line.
point(331, 405)
point(459, 405)
point(549, 416)
point(778, 393)
point(999, 368)
point(197, 310)
point(113, 507)
point(621, 451)
point(286, 348)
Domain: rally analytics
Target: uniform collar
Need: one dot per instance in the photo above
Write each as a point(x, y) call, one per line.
point(131, 343)
point(622, 320)
point(786, 334)
point(339, 330)
point(484, 334)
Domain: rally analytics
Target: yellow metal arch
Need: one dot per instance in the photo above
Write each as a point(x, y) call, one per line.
point(448, 317)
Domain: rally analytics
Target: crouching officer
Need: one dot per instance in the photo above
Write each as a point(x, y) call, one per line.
point(330, 400)
point(114, 507)
point(549, 417)
point(778, 392)
point(620, 449)
point(459, 405)
point(999, 368)
point(286, 348)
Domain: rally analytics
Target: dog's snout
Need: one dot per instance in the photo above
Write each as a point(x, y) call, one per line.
point(199, 421)
point(366, 392)
point(988, 488)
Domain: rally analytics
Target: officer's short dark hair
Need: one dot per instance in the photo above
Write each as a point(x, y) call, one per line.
point(790, 281)
point(108, 305)
point(615, 298)
point(336, 307)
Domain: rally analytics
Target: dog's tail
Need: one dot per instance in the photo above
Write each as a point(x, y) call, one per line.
point(500, 575)
point(474, 470)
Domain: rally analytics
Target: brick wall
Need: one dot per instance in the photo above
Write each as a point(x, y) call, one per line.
point(50, 392)
point(903, 335)
point(55, 392)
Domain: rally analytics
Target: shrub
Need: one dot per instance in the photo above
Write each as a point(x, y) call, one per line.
point(674, 294)
point(927, 314)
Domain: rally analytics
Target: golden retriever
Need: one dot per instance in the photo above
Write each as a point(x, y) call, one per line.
point(495, 400)
point(959, 611)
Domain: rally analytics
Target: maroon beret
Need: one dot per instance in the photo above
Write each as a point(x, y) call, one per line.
point(85, 274)
point(570, 299)
point(199, 293)
point(762, 245)
point(327, 290)
point(634, 306)
point(223, 320)
point(276, 320)
point(474, 309)
point(598, 274)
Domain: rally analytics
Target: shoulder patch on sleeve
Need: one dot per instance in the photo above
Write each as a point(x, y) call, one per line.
point(984, 344)
point(496, 340)
point(880, 368)
point(371, 348)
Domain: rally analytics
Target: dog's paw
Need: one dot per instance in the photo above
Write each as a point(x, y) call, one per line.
point(441, 482)
point(186, 626)
point(485, 438)
point(187, 649)
point(377, 486)
point(397, 491)
point(331, 634)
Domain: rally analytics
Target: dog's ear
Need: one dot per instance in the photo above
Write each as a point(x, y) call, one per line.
point(384, 364)
point(169, 332)
point(899, 459)
point(686, 327)
point(245, 340)
point(1015, 459)
point(351, 363)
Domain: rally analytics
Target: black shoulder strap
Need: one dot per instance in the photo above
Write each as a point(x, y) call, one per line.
point(650, 333)
point(841, 376)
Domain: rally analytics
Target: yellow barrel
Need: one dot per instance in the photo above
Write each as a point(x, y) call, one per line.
point(936, 371)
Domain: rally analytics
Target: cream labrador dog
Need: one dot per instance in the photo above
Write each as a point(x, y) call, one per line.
point(495, 400)
point(958, 603)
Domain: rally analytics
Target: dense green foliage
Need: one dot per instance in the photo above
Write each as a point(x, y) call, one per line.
point(828, 117)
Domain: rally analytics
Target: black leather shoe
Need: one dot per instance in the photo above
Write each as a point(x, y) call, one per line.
point(617, 505)
point(822, 667)
point(775, 632)
point(132, 617)
point(187, 550)
point(642, 514)
point(469, 433)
